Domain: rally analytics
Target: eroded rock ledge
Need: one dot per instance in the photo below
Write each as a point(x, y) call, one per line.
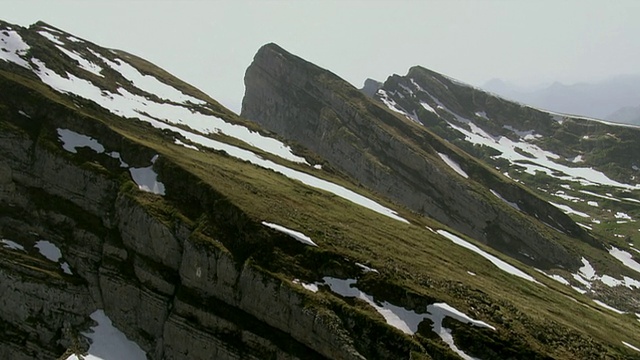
point(176, 292)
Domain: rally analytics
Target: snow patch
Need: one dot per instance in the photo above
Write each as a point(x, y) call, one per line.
point(608, 307)
point(593, 203)
point(390, 103)
point(441, 310)
point(482, 114)
point(307, 286)
point(147, 179)
point(294, 234)
point(542, 160)
point(84, 63)
point(151, 84)
point(587, 271)
point(109, 343)
point(559, 279)
point(11, 245)
point(72, 140)
point(586, 275)
point(454, 165)
point(527, 135)
point(49, 250)
point(621, 215)
point(561, 194)
point(502, 265)
point(630, 346)
point(66, 268)
point(178, 142)
point(405, 320)
point(512, 204)
point(599, 196)
point(625, 258)
point(610, 281)
point(568, 210)
point(367, 269)
point(581, 291)
point(428, 107)
point(555, 277)
point(406, 89)
point(584, 226)
point(53, 38)
point(577, 159)
point(12, 48)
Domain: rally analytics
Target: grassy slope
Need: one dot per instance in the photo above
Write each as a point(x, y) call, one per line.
point(407, 255)
point(605, 141)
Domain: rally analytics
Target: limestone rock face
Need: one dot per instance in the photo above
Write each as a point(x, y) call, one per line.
point(371, 87)
point(312, 106)
point(175, 297)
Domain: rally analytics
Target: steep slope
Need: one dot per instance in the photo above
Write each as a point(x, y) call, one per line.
point(571, 142)
point(398, 156)
point(131, 202)
point(587, 168)
point(627, 114)
point(400, 159)
point(133, 199)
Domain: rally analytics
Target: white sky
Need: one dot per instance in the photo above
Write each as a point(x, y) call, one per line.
point(210, 43)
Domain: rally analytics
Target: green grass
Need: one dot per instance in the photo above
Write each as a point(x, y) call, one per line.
point(407, 255)
point(224, 200)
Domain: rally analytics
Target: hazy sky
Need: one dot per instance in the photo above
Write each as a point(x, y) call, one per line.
point(210, 43)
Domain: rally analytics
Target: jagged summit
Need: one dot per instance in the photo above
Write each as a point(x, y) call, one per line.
point(371, 87)
point(299, 105)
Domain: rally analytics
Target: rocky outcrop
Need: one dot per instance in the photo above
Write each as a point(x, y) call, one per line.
point(177, 294)
point(371, 87)
point(310, 105)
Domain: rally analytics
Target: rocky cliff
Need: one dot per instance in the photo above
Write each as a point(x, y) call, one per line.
point(128, 197)
point(398, 158)
point(175, 293)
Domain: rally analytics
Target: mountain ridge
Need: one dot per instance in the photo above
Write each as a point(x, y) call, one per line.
point(406, 131)
point(269, 111)
point(161, 206)
point(597, 99)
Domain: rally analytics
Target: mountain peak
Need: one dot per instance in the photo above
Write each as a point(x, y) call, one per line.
point(370, 87)
point(124, 190)
point(273, 56)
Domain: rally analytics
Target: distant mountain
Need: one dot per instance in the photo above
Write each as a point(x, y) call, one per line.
point(627, 114)
point(371, 87)
point(597, 100)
